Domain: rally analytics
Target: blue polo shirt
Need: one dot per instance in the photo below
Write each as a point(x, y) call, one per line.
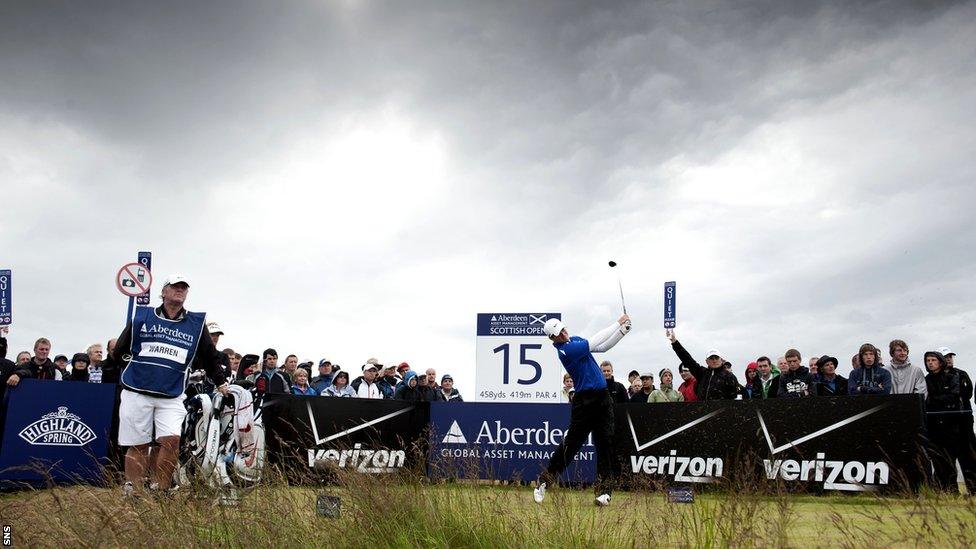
point(579, 362)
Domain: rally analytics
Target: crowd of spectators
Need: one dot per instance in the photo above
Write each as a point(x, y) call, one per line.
point(373, 379)
point(946, 390)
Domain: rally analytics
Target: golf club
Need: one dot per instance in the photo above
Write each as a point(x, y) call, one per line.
point(620, 285)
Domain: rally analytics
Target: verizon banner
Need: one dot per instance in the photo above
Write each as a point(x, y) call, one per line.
point(836, 443)
point(324, 434)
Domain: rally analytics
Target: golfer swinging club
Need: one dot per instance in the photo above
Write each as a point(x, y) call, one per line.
point(592, 406)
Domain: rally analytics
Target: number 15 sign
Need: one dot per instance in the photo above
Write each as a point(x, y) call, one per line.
point(515, 360)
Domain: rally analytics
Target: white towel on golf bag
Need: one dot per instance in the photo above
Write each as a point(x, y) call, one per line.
point(243, 419)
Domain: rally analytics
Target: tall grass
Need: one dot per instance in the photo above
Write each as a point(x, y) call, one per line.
point(407, 510)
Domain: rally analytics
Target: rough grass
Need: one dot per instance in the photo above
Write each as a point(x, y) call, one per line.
point(387, 512)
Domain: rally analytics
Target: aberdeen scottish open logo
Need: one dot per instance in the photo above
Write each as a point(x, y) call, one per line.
point(60, 428)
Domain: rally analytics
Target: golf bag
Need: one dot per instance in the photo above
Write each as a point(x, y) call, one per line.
point(222, 443)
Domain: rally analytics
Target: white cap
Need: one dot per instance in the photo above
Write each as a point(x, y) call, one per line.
point(175, 279)
point(369, 366)
point(553, 327)
point(214, 328)
point(945, 351)
point(713, 352)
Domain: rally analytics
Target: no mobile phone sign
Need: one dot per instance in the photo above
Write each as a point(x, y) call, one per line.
point(133, 279)
point(670, 314)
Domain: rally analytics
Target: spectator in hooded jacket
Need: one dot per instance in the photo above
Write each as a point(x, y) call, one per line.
point(766, 384)
point(713, 382)
point(796, 381)
point(446, 392)
point(666, 393)
point(617, 390)
point(829, 382)
point(905, 378)
point(688, 385)
point(79, 368)
point(966, 394)
point(408, 390)
point(868, 378)
point(340, 387)
point(748, 389)
point(944, 423)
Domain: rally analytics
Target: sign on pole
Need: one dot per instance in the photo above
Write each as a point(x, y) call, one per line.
point(515, 361)
point(133, 279)
point(6, 298)
point(670, 315)
point(145, 258)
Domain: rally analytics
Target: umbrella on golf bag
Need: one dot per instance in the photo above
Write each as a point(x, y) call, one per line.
point(222, 442)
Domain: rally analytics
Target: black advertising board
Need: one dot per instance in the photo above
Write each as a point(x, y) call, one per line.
point(320, 434)
point(825, 443)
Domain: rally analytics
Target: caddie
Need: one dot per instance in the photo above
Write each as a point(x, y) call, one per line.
point(157, 352)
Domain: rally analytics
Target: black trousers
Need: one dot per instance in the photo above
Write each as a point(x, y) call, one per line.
point(592, 412)
point(950, 443)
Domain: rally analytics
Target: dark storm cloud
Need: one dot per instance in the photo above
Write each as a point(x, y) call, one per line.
point(570, 130)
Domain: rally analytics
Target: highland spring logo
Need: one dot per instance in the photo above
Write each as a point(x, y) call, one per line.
point(60, 428)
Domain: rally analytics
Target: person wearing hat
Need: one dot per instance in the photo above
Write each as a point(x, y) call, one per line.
point(689, 385)
point(225, 359)
point(666, 393)
point(966, 394)
point(323, 381)
point(647, 387)
point(61, 367)
point(156, 353)
point(79, 367)
point(829, 382)
point(632, 387)
point(591, 409)
point(340, 386)
point(366, 385)
point(747, 390)
point(250, 366)
point(711, 383)
point(944, 422)
point(446, 392)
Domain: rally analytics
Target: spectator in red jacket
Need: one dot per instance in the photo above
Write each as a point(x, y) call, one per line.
point(687, 387)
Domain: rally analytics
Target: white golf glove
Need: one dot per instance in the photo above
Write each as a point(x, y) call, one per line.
point(625, 327)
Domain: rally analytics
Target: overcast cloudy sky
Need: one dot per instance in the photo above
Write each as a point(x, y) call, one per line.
point(355, 179)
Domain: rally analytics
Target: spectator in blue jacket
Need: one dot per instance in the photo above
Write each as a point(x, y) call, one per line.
point(300, 384)
point(869, 378)
point(323, 381)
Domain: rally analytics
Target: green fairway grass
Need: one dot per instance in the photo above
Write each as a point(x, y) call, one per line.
point(411, 514)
